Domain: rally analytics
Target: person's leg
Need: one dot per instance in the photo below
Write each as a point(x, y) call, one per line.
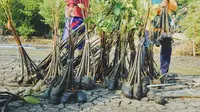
point(172, 29)
point(66, 29)
point(165, 57)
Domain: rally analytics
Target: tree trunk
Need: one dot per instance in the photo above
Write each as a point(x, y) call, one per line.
point(193, 47)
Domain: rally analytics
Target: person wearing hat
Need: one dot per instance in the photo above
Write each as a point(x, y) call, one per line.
point(163, 35)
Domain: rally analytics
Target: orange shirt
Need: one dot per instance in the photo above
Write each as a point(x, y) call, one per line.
point(77, 11)
point(171, 5)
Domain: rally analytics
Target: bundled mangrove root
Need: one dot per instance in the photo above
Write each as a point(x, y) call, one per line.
point(62, 46)
point(142, 71)
point(29, 68)
point(87, 68)
point(66, 81)
point(132, 88)
point(84, 73)
point(119, 71)
point(150, 66)
point(131, 35)
point(140, 74)
point(45, 64)
point(55, 66)
point(103, 59)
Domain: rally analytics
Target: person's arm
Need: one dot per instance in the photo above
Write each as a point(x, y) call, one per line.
point(70, 3)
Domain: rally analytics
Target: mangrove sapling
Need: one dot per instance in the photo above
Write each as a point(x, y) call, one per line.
point(143, 66)
point(137, 86)
point(113, 60)
point(54, 75)
point(150, 68)
point(119, 69)
point(66, 81)
point(103, 58)
point(84, 71)
point(147, 66)
point(69, 93)
point(29, 68)
point(127, 87)
point(131, 34)
point(55, 68)
point(145, 70)
point(133, 87)
point(142, 72)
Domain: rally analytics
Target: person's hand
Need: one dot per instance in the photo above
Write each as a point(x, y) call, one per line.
point(69, 11)
point(157, 42)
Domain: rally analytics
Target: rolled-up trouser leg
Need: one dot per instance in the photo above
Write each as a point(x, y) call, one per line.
point(165, 57)
point(66, 29)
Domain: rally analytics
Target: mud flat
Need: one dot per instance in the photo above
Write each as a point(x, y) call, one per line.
point(100, 99)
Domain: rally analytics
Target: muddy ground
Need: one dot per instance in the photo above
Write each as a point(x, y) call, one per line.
point(100, 99)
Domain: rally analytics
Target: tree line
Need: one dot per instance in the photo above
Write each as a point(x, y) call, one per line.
point(31, 17)
point(34, 18)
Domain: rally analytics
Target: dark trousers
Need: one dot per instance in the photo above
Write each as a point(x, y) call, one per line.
point(165, 56)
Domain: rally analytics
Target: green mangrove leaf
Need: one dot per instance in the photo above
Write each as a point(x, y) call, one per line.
point(31, 100)
point(129, 5)
point(135, 12)
point(89, 20)
point(117, 9)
